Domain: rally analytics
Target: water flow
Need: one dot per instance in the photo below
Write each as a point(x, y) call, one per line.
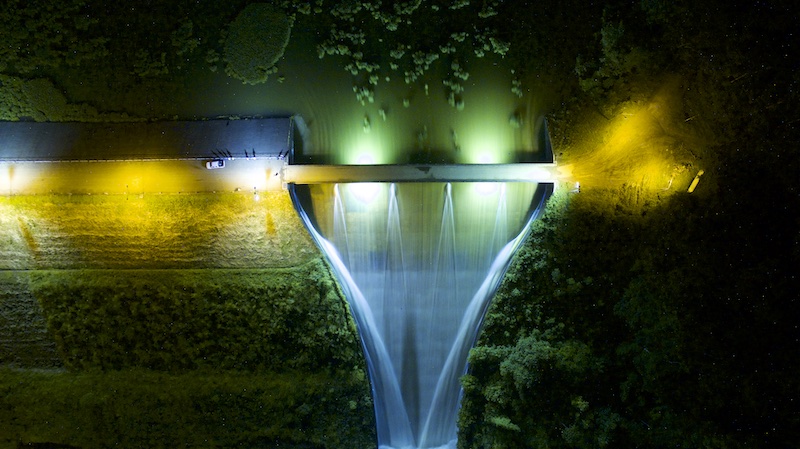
point(419, 263)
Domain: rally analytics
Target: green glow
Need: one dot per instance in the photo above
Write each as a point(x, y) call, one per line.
point(387, 132)
point(365, 149)
point(481, 144)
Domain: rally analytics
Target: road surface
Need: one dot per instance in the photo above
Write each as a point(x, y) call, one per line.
point(136, 177)
point(142, 157)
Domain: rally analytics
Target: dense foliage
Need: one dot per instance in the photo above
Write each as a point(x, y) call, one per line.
point(137, 408)
point(201, 358)
point(127, 57)
point(624, 324)
point(24, 340)
point(34, 38)
point(256, 41)
point(38, 99)
point(633, 320)
point(178, 320)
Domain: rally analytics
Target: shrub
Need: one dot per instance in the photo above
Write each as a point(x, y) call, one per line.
point(256, 41)
point(177, 320)
point(140, 408)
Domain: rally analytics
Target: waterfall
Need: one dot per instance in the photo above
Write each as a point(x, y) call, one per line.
point(419, 263)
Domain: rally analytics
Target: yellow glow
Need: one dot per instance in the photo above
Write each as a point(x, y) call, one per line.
point(256, 177)
point(96, 177)
point(152, 231)
point(15, 177)
point(635, 151)
point(540, 175)
point(137, 177)
point(695, 181)
point(647, 146)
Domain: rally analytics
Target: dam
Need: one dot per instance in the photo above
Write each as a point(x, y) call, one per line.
point(418, 249)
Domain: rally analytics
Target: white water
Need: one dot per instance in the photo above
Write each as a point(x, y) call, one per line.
point(419, 263)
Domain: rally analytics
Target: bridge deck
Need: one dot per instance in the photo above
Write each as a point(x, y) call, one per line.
point(316, 174)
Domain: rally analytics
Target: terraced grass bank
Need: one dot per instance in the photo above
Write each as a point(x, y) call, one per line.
point(210, 230)
point(146, 409)
point(203, 320)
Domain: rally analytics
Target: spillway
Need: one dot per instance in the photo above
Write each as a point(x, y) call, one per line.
point(419, 263)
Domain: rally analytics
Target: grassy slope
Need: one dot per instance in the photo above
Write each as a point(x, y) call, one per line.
point(137, 408)
point(152, 231)
point(255, 347)
point(269, 320)
point(24, 339)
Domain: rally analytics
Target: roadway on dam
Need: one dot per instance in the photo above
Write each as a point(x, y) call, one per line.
point(138, 176)
point(143, 157)
point(171, 157)
point(239, 174)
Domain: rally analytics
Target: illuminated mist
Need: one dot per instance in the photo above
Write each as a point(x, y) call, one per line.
point(419, 263)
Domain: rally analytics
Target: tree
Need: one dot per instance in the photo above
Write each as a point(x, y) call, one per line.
point(256, 41)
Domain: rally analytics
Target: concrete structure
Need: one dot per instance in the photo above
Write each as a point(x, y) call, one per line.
point(205, 139)
point(169, 157)
point(143, 157)
point(319, 174)
point(542, 171)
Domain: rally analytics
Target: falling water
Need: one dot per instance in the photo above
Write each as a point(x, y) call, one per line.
point(419, 263)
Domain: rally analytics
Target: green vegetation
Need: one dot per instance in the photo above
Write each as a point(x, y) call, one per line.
point(39, 100)
point(34, 39)
point(637, 315)
point(254, 320)
point(262, 354)
point(24, 339)
point(619, 325)
point(128, 61)
point(165, 358)
point(138, 408)
point(256, 41)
